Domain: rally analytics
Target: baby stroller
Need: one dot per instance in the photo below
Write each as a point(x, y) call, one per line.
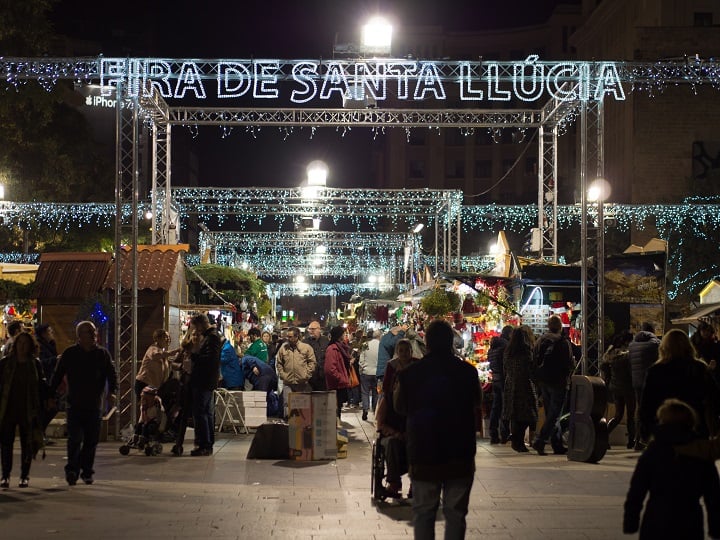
point(377, 471)
point(152, 423)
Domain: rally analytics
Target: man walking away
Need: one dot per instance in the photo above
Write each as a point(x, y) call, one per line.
point(553, 363)
point(643, 352)
point(89, 369)
point(438, 394)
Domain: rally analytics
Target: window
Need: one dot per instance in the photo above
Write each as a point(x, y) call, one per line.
point(453, 137)
point(483, 168)
point(417, 137)
point(416, 168)
point(507, 165)
point(702, 19)
point(455, 168)
point(483, 137)
point(531, 165)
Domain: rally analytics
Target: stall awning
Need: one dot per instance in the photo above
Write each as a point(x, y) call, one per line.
point(699, 313)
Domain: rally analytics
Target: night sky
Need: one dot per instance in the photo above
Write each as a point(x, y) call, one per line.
point(291, 29)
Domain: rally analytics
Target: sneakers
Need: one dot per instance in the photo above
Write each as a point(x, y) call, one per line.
point(71, 478)
point(201, 452)
point(24, 482)
point(539, 447)
point(5, 483)
point(87, 478)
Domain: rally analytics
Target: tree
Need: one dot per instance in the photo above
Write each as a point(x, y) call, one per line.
point(233, 284)
point(46, 150)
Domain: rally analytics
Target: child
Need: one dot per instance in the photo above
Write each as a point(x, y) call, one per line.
point(151, 411)
point(675, 483)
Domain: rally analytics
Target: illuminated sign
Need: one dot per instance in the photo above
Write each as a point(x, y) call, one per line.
point(376, 79)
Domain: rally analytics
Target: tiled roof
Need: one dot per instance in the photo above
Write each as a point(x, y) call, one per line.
point(155, 264)
point(71, 275)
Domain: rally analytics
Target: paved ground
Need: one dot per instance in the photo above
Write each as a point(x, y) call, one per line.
point(522, 496)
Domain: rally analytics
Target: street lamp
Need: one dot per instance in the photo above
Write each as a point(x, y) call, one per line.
point(376, 36)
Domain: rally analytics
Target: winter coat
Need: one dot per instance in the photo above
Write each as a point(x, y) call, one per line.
point(25, 405)
point(520, 395)
point(206, 362)
point(295, 365)
point(337, 358)
point(618, 359)
point(319, 345)
point(495, 357)
point(387, 350)
point(154, 369)
point(438, 395)
point(675, 484)
point(369, 358)
point(643, 351)
point(686, 379)
point(230, 368)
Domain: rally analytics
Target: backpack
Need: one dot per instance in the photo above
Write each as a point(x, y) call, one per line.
point(552, 361)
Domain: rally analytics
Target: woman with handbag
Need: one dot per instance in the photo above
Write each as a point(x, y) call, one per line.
point(337, 358)
point(22, 390)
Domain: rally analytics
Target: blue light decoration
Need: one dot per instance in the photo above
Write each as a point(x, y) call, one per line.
point(98, 315)
point(698, 216)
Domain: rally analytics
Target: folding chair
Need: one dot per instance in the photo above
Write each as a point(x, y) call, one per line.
point(230, 413)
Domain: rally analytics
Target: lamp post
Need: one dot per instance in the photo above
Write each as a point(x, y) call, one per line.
point(597, 193)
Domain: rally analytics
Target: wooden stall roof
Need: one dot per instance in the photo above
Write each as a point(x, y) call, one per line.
point(71, 275)
point(156, 267)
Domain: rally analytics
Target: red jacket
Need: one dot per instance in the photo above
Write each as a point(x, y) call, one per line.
point(337, 358)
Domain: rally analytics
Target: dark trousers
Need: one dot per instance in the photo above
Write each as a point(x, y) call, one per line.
point(185, 403)
point(553, 396)
point(395, 458)
point(642, 431)
point(622, 401)
point(83, 434)
point(7, 439)
point(203, 408)
point(368, 392)
point(498, 426)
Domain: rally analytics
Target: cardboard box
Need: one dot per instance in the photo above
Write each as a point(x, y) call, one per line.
point(300, 425)
point(312, 429)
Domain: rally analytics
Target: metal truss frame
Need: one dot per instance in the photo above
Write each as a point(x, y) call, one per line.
point(403, 118)
point(127, 134)
point(287, 254)
point(592, 242)
point(649, 77)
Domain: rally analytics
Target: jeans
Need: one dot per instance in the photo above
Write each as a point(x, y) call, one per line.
point(553, 396)
point(496, 413)
point(455, 499)
point(83, 427)
point(203, 408)
point(368, 392)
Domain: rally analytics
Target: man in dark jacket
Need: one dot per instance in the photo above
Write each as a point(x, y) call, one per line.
point(89, 369)
point(495, 358)
point(643, 352)
point(553, 363)
point(438, 394)
point(204, 376)
point(387, 347)
point(319, 343)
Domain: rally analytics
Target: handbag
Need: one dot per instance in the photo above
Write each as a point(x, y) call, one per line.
point(354, 380)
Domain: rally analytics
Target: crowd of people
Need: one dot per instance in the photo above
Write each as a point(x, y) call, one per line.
point(423, 397)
